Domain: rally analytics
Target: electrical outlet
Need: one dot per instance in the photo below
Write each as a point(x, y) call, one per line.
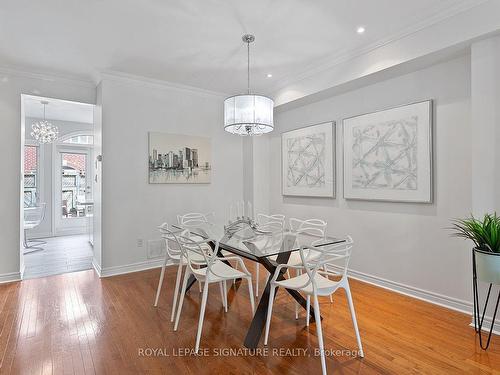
point(156, 248)
point(140, 242)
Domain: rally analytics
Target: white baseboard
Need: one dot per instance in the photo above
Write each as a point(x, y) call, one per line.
point(97, 268)
point(487, 325)
point(129, 268)
point(421, 294)
point(10, 277)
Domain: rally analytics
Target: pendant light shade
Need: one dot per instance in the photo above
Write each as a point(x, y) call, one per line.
point(248, 114)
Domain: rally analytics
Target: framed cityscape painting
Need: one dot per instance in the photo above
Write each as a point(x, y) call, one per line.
point(308, 161)
point(179, 159)
point(387, 154)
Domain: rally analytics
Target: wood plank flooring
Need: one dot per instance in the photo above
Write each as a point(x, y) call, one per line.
point(77, 323)
point(60, 255)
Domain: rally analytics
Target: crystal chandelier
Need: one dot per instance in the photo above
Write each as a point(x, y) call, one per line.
point(248, 114)
point(44, 131)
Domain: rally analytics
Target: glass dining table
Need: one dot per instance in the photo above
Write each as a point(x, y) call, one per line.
point(269, 248)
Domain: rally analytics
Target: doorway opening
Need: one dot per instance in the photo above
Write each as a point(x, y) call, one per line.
point(57, 186)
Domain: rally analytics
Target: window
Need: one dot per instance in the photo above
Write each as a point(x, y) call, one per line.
point(31, 176)
point(80, 140)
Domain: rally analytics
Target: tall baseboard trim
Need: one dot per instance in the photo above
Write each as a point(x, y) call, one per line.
point(129, 268)
point(421, 294)
point(487, 325)
point(10, 277)
point(97, 268)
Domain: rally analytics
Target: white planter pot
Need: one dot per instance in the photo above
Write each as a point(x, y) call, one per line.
point(487, 266)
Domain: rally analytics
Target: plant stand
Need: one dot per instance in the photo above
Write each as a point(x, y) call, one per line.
point(478, 323)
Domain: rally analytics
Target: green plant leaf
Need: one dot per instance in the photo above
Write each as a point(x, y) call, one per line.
point(484, 233)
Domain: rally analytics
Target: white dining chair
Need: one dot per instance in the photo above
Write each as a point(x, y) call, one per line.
point(267, 223)
point(315, 228)
point(173, 257)
point(197, 220)
point(212, 269)
point(313, 282)
point(33, 217)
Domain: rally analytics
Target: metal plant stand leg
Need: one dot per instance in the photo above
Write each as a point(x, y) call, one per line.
point(478, 318)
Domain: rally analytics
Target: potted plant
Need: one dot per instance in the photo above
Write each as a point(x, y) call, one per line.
point(485, 234)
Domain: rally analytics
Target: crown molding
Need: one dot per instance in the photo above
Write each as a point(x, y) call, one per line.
point(44, 76)
point(157, 83)
point(346, 55)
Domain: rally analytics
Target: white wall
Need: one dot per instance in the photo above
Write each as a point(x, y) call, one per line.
point(132, 208)
point(46, 182)
point(12, 85)
point(485, 115)
point(485, 69)
point(403, 243)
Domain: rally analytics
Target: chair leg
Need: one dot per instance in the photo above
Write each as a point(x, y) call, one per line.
point(308, 308)
point(317, 319)
point(25, 242)
point(257, 268)
point(297, 273)
point(160, 283)
point(222, 295)
point(324, 269)
point(269, 312)
point(250, 292)
point(236, 268)
point(181, 298)
point(354, 320)
point(176, 291)
point(202, 315)
point(224, 288)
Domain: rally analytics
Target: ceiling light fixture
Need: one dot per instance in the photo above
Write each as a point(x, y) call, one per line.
point(360, 30)
point(269, 75)
point(248, 114)
point(44, 131)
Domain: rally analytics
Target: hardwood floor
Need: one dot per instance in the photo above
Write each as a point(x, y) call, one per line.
point(60, 255)
point(77, 323)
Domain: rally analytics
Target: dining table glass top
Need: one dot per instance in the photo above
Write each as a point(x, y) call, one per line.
point(249, 240)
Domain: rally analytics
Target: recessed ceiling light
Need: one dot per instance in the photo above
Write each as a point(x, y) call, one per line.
point(269, 75)
point(360, 30)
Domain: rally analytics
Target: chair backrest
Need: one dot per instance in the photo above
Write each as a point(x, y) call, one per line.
point(271, 223)
point(310, 227)
point(195, 218)
point(198, 255)
point(35, 214)
point(335, 257)
point(172, 241)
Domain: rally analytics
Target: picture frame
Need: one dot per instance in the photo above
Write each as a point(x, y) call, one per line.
point(388, 154)
point(308, 161)
point(179, 159)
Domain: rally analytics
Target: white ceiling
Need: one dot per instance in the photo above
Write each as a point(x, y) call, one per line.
point(62, 110)
point(198, 43)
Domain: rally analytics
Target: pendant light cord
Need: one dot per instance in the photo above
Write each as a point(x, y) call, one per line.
point(248, 67)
